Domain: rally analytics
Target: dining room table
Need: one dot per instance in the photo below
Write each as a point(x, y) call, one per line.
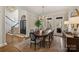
point(43, 35)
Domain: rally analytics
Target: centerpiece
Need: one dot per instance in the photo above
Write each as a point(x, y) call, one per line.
point(39, 25)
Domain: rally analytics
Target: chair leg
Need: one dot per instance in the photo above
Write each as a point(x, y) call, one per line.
point(35, 47)
point(49, 42)
point(30, 45)
point(40, 44)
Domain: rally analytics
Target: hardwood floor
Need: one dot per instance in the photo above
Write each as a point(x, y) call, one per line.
point(57, 45)
point(8, 48)
point(11, 48)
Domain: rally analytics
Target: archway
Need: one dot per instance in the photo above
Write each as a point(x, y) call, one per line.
point(23, 24)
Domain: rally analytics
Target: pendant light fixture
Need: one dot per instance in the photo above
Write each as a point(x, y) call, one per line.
point(42, 17)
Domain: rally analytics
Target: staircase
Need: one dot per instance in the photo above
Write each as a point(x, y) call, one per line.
point(14, 27)
point(13, 35)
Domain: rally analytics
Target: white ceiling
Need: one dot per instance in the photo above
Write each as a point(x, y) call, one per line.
point(47, 9)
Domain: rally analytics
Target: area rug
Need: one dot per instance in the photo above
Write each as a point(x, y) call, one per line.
point(23, 44)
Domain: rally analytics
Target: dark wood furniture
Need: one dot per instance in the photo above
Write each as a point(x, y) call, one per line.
point(77, 43)
point(72, 42)
point(34, 40)
point(46, 34)
point(49, 39)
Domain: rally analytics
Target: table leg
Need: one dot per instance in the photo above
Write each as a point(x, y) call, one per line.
point(43, 42)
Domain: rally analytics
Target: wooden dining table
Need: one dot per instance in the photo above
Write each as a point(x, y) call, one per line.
point(43, 36)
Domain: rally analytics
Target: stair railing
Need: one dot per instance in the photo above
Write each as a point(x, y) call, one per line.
point(10, 19)
point(12, 27)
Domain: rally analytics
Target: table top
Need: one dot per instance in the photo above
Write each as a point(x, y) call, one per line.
point(44, 33)
point(72, 36)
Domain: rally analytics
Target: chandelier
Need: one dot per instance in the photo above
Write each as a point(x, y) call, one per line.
point(42, 17)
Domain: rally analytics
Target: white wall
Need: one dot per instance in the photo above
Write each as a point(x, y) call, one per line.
point(69, 16)
point(30, 19)
point(2, 27)
point(16, 15)
point(55, 21)
point(12, 15)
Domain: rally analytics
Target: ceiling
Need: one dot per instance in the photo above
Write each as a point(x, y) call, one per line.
point(47, 9)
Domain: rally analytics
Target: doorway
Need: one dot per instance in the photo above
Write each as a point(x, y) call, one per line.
point(23, 25)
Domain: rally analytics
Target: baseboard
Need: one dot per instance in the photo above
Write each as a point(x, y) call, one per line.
point(3, 44)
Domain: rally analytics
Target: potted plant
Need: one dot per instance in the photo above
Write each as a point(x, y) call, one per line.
point(38, 24)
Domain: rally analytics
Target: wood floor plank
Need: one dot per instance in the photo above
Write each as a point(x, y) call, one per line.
point(22, 46)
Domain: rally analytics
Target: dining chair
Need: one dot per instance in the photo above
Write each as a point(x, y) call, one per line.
point(49, 39)
point(34, 40)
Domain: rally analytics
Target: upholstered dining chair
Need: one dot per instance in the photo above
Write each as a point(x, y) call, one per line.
point(49, 39)
point(34, 40)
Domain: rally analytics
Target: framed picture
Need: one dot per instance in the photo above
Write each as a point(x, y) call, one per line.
point(75, 13)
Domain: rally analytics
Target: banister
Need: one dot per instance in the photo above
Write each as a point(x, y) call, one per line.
point(10, 19)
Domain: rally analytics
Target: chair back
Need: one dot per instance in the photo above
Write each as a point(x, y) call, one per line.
point(52, 34)
point(32, 36)
point(31, 30)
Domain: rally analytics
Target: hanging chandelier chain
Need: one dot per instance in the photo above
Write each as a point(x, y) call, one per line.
point(42, 17)
point(43, 10)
